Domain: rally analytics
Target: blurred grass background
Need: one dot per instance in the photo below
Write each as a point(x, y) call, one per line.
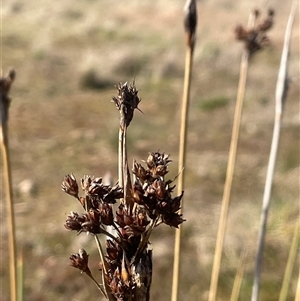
point(68, 56)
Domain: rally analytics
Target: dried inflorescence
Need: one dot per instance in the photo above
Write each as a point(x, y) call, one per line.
point(126, 102)
point(128, 261)
point(255, 38)
point(145, 202)
point(154, 193)
point(5, 84)
point(80, 261)
point(190, 22)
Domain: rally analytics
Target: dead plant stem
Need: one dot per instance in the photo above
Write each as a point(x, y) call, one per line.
point(290, 264)
point(10, 212)
point(280, 96)
point(229, 177)
point(239, 277)
point(181, 164)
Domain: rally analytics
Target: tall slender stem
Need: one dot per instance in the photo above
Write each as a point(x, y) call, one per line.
point(238, 277)
point(290, 264)
point(10, 211)
point(229, 177)
point(181, 164)
point(190, 27)
point(281, 92)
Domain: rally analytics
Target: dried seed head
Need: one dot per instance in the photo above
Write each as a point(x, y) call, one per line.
point(73, 222)
point(85, 183)
point(158, 159)
point(255, 38)
point(106, 214)
point(80, 261)
point(268, 22)
point(159, 188)
point(140, 171)
point(70, 186)
point(173, 219)
point(113, 250)
point(114, 193)
point(137, 193)
point(82, 201)
point(190, 21)
point(5, 84)
point(126, 102)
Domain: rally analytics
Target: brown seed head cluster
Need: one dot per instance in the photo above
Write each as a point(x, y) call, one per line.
point(154, 193)
point(97, 203)
point(255, 38)
point(126, 102)
point(80, 261)
point(128, 263)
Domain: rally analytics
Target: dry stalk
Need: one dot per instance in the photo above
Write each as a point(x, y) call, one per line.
point(229, 177)
point(5, 84)
point(290, 264)
point(297, 296)
point(280, 97)
point(190, 23)
point(20, 276)
point(144, 203)
point(239, 277)
point(254, 38)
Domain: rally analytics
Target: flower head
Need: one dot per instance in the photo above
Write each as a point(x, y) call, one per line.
point(70, 186)
point(80, 261)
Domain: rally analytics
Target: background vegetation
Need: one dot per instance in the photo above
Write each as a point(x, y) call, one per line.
point(68, 56)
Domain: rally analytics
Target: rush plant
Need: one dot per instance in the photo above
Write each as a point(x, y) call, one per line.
point(143, 199)
point(254, 38)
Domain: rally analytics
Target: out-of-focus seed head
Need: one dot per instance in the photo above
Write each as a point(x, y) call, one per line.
point(268, 22)
point(240, 32)
point(70, 186)
point(255, 38)
point(190, 21)
point(5, 85)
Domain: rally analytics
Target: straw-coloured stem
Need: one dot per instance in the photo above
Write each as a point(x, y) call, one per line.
point(20, 276)
point(238, 277)
point(251, 46)
point(229, 177)
point(5, 84)
point(281, 93)
point(190, 23)
point(290, 264)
